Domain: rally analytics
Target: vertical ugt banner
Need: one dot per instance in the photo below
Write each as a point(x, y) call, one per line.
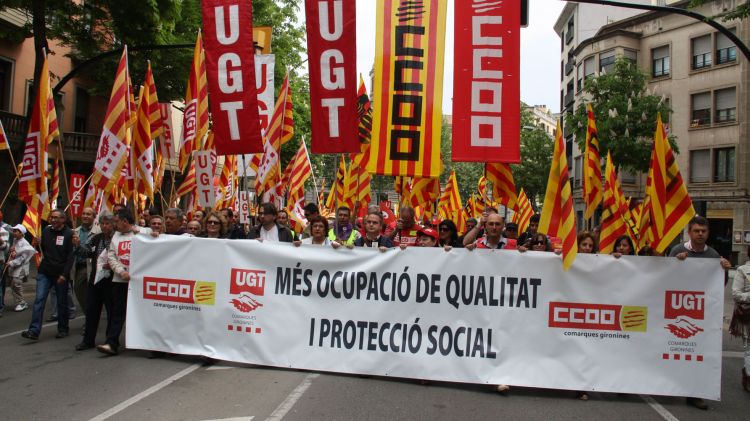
point(332, 53)
point(486, 82)
point(204, 178)
point(228, 30)
point(408, 90)
point(76, 194)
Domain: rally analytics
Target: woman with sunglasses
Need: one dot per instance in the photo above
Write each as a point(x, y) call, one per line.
point(448, 234)
point(537, 242)
point(215, 225)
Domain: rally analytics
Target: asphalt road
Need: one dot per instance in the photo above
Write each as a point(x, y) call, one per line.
point(49, 380)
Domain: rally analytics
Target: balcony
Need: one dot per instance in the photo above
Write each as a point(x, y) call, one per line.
point(77, 146)
point(569, 66)
point(569, 99)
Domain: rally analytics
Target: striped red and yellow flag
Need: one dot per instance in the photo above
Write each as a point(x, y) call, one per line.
point(3, 138)
point(402, 187)
point(407, 122)
point(142, 156)
point(32, 182)
point(189, 184)
point(113, 144)
point(592, 169)
point(227, 182)
point(300, 171)
point(32, 222)
point(483, 189)
point(156, 122)
point(54, 184)
point(524, 213)
point(195, 117)
point(281, 127)
point(336, 195)
point(350, 185)
point(450, 200)
point(670, 204)
point(503, 187)
point(558, 218)
point(424, 192)
point(613, 221)
point(364, 111)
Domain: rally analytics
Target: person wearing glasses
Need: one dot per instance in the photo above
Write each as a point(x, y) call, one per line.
point(537, 242)
point(374, 233)
point(268, 229)
point(215, 226)
point(311, 211)
point(318, 234)
point(448, 234)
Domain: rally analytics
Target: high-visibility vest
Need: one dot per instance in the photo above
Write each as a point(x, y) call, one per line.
point(349, 241)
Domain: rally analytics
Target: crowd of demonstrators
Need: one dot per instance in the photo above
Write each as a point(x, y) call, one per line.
point(5, 231)
point(93, 260)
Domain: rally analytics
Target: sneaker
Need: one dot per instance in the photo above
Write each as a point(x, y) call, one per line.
point(698, 403)
point(30, 335)
point(21, 307)
point(106, 349)
point(61, 335)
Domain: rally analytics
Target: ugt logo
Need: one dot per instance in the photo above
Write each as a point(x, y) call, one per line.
point(684, 308)
point(247, 284)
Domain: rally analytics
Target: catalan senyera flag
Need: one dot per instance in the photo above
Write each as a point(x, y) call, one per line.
point(503, 186)
point(3, 138)
point(363, 178)
point(408, 88)
point(613, 221)
point(450, 200)
point(227, 181)
point(142, 156)
point(189, 183)
point(54, 184)
point(351, 182)
point(670, 204)
point(32, 222)
point(300, 171)
point(32, 182)
point(280, 130)
point(524, 213)
point(558, 218)
point(113, 147)
point(592, 169)
point(364, 110)
point(156, 122)
point(424, 192)
point(483, 189)
point(341, 181)
point(195, 117)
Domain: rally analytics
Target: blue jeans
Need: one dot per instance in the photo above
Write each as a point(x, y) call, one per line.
point(43, 286)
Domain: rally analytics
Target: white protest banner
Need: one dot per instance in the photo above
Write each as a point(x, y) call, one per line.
point(204, 178)
point(647, 325)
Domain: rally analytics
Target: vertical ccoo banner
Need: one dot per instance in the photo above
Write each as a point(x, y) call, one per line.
point(486, 82)
point(227, 26)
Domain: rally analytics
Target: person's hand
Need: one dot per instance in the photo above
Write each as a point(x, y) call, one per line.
point(383, 249)
point(260, 240)
point(135, 229)
point(522, 249)
point(335, 244)
point(471, 246)
point(482, 221)
point(558, 251)
point(349, 246)
point(681, 256)
point(725, 264)
point(76, 240)
point(617, 255)
point(125, 276)
point(447, 248)
point(60, 279)
point(297, 243)
point(154, 234)
point(402, 246)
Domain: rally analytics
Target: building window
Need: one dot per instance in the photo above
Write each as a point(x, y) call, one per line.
point(627, 177)
point(724, 165)
point(660, 61)
point(726, 51)
point(571, 28)
point(6, 83)
point(579, 77)
point(700, 166)
point(726, 105)
point(578, 172)
point(701, 52)
point(589, 67)
point(606, 62)
point(701, 109)
point(630, 55)
point(80, 122)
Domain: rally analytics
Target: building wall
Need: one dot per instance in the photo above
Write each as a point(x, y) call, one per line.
point(725, 203)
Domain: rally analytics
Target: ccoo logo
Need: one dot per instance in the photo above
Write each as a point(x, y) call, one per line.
point(179, 290)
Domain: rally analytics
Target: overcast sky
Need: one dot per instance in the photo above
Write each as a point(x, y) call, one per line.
point(540, 52)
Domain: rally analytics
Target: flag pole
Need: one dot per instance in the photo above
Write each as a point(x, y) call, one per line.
point(78, 191)
point(10, 188)
point(312, 173)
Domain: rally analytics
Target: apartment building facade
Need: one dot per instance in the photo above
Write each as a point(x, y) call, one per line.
point(699, 72)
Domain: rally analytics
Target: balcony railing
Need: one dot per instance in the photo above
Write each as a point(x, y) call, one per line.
point(14, 125)
point(80, 146)
point(569, 99)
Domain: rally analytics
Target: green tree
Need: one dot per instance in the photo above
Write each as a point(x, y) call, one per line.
point(625, 116)
point(467, 173)
point(536, 158)
point(741, 11)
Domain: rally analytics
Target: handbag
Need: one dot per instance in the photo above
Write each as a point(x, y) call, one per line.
point(740, 324)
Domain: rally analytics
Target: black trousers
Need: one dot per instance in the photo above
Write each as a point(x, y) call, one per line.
point(117, 315)
point(97, 296)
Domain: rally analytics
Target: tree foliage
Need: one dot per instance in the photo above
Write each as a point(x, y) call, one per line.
point(741, 11)
point(536, 157)
point(625, 116)
point(467, 173)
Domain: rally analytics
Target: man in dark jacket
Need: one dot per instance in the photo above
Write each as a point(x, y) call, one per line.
point(54, 272)
point(269, 229)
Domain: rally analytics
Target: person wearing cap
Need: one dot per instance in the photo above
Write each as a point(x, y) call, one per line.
point(493, 235)
point(17, 266)
point(427, 237)
point(511, 231)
